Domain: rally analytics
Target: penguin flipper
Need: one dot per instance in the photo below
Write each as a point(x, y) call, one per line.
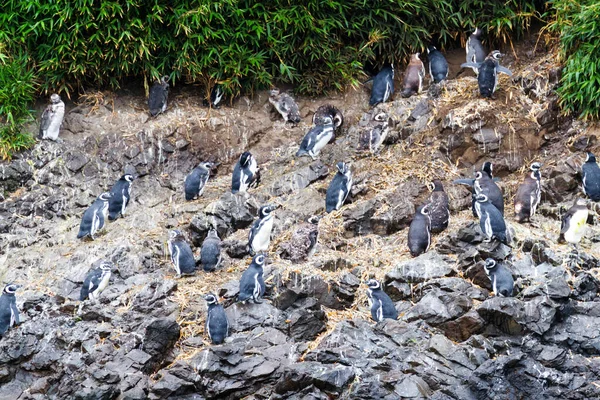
point(368, 80)
point(470, 65)
point(503, 70)
point(468, 182)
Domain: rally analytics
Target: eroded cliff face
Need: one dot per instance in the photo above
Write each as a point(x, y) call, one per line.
point(313, 337)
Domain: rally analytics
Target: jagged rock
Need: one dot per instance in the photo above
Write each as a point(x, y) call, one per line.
point(160, 337)
point(299, 179)
point(76, 161)
point(437, 307)
point(329, 378)
point(305, 321)
point(243, 317)
point(489, 139)
point(427, 266)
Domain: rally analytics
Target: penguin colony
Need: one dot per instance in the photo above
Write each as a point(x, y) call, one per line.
point(432, 217)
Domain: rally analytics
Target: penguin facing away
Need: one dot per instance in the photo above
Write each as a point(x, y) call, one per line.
point(9, 313)
point(413, 76)
point(438, 66)
point(285, 105)
point(120, 195)
point(489, 69)
point(217, 325)
point(590, 173)
point(573, 222)
point(210, 254)
point(328, 112)
point(181, 253)
point(196, 180)
point(419, 231)
point(483, 184)
point(316, 139)
point(383, 85)
point(95, 282)
point(259, 236)
point(245, 173)
point(215, 98)
point(252, 283)
point(372, 139)
point(439, 213)
point(381, 304)
point(94, 218)
point(491, 220)
point(476, 53)
point(159, 94)
point(501, 278)
point(52, 118)
point(529, 194)
point(303, 243)
point(339, 188)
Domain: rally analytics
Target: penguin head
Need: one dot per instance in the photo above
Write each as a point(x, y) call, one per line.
point(127, 177)
point(259, 259)
point(174, 234)
point(535, 166)
point(373, 284)
point(211, 299)
point(481, 198)
point(54, 98)
point(314, 219)
point(477, 32)
point(165, 80)
point(424, 209)
point(206, 165)
point(105, 196)
point(266, 210)
point(213, 233)
point(437, 186)
point(274, 92)
point(245, 158)
point(415, 58)
point(105, 265)
point(381, 117)
point(343, 168)
point(496, 55)
point(430, 48)
point(591, 158)
point(11, 289)
point(490, 265)
point(488, 168)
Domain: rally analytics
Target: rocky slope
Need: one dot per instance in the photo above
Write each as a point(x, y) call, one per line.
point(313, 338)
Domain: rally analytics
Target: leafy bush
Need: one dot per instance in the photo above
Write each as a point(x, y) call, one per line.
point(577, 24)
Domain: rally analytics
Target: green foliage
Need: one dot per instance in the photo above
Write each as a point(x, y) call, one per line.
point(577, 24)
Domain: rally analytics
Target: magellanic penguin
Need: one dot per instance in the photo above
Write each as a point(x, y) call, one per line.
point(210, 254)
point(383, 85)
point(303, 243)
point(252, 282)
point(217, 325)
point(491, 220)
point(372, 138)
point(476, 53)
point(52, 118)
point(529, 194)
point(159, 94)
point(339, 188)
point(181, 253)
point(215, 98)
point(573, 223)
point(413, 76)
point(438, 66)
point(245, 173)
point(419, 232)
point(439, 214)
point(484, 183)
point(501, 278)
point(196, 181)
point(381, 304)
point(96, 281)
point(9, 313)
point(316, 139)
point(326, 113)
point(590, 173)
point(259, 236)
point(120, 195)
point(285, 105)
point(94, 218)
point(489, 69)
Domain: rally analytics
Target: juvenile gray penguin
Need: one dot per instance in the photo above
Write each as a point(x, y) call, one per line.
point(285, 105)
point(328, 112)
point(439, 213)
point(339, 188)
point(196, 181)
point(491, 220)
point(120, 195)
point(381, 304)
point(303, 243)
point(210, 254)
point(9, 313)
point(94, 218)
point(217, 325)
point(259, 236)
point(383, 85)
point(501, 278)
point(489, 69)
point(590, 172)
point(96, 281)
point(372, 139)
point(573, 222)
point(419, 231)
point(181, 253)
point(245, 173)
point(413, 76)
point(252, 282)
point(159, 94)
point(52, 118)
point(529, 194)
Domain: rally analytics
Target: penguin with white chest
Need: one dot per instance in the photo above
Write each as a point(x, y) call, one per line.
point(9, 313)
point(590, 173)
point(259, 236)
point(501, 278)
point(210, 254)
point(95, 282)
point(181, 253)
point(413, 76)
point(316, 139)
point(529, 194)
point(489, 69)
point(120, 195)
point(573, 222)
point(491, 220)
point(245, 173)
point(217, 325)
point(159, 94)
point(476, 53)
point(339, 188)
point(438, 66)
point(486, 184)
point(419, 232)
point(52, 118)
point(372, 139)
point(196, 181)
point(252, 282)
point(381, 305)
point(383, 85)
point(94, 218)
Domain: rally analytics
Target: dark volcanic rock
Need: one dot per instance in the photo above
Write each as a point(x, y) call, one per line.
point(160, 337)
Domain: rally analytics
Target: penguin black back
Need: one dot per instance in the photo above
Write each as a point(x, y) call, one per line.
point(419, 231)
point(476, 53)
point(94, 218)
point(182, 255)
point(500, 277)
point(381, 304)
point(157, 99)
point(245, 173)
point(210, 254)
point(252, 283)
point(120, 194)
point(383, 85)
point(528, 194)
point(590, 173)
point(491, 220)
point(196, 181)
point(438, 66)
point(9, 313)
point(96, 281)
point(217, 325)
point(339, 188)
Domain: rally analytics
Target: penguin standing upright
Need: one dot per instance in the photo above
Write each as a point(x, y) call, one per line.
point(252, 282)
point(9, 313)
point(159, 94)
point(181, 253)
point(372, 138)
point(489, 69)
point(285, 105)
point(590, 172)
point(316, 139)
point(529, 194)
point(381, 304)
point(259, 236)
point(476, 53)
point(303, 243)
point(439, 214)
point(383, 85)
point(438, 66)
point(339, 188)
point(196, 181)
point(485, 184)
point(96, 281)
point(501, 278)
point(217, 325)
point(491, 220)
point(413, 76)
point(120, 194)
point(328, 112)
point(94, 218)
point(245, 173)
point(216, 95)
point(210, 254)
point(573, 222)
point(52, 118)
point(419, 231)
